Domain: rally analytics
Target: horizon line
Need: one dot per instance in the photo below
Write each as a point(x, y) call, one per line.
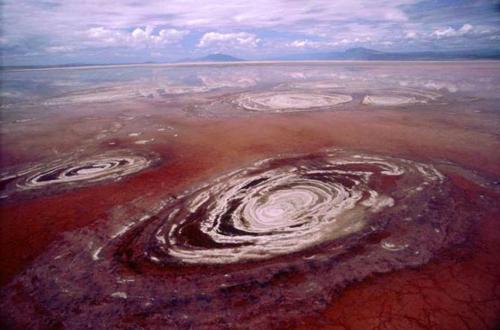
point(19, 68)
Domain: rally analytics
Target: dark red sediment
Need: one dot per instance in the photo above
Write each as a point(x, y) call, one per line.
point(458, 289)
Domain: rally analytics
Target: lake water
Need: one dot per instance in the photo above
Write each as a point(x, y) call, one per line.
point(251, 194)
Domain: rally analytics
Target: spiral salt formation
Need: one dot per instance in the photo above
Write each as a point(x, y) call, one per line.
point(270, 242)
point(382, 96)
point(390, 100)
point(400, 96)
point(89, 170)
point(75, 171)
point(288, 101)
point(270, 210)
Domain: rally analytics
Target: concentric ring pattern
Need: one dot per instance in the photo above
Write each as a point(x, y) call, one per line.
point(90, 170)
point(75, 170)
point(282, 206)
point(288, 101)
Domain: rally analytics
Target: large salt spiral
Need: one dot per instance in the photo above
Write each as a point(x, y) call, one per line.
point(281, 206)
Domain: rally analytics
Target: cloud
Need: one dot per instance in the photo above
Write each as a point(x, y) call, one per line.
point(305, 44)
point(163, 37)
point(60, 49)
point(139, 37)
point(104, 36)
point(336, 42)
point(411, 35)
point(243, 39)
point(68, 16)
point(102, 28)
point(171, 35)
point(451, 32)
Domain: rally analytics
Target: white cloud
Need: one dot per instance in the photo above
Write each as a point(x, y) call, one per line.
point(466, 28)
point(337, 42)
point(305, 44)
point(148, 26)
point(451, 32)
point(243, 39)
point(60, 49)
point(170, 36)
point(103, 35)
point(163, 37)
point(139, 37)
point(411, 35)
point(348, 41)
point(72, 16)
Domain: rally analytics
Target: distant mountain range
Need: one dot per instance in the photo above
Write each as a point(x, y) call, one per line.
point(219, 58)
point(367, 54)
point(352, 54)
point(211, 58)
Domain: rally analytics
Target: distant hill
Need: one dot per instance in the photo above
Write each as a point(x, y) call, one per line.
point(367, 54)
point(218, 58)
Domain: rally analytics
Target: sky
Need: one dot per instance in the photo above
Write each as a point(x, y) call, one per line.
point(34, 32)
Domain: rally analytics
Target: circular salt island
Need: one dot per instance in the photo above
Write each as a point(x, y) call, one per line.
point(90, 170)
point(390, 100)
point(289, 101)
point(75, 171)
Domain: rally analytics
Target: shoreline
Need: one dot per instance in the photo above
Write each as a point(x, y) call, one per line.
point(252, 63)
